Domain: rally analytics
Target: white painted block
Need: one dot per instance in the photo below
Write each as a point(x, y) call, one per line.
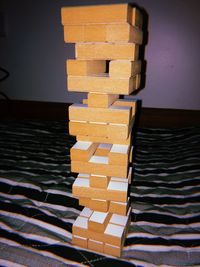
point(82, 145)
point(119, 219)
point(118, 186)
point(81, 222)
point(114, 230)
point(81, 182)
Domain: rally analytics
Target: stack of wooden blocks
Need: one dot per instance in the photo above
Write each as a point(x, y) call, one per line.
point(107, 39)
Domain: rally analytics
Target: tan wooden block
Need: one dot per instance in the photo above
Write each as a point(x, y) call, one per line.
point(120, 32)
point(80, 227)
point(80, 241)
point(124, 68)
point(93, 166)
point(112, 250)
point(113, 114)
point(95, 245)
point(84, 201)
point(101, 100)
point(99, 204)
point(98, 221)
point(103, 150)
point(85, 67)
point(115, 13)
point(86, 212)
point(82, 189)
point(136, 18)
point(83, 150)
point(114, 234)
point(119, 154)
point(127, 103)
point(117, 191)
point(123, 32)
point(115, 131)
point(99, 181)
point(107, 51)
point(85, 33)
point(102, 84)
point(105, 140)
point(119, 207)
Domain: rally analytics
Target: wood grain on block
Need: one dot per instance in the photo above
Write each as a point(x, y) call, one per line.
point(83, 150)
point(103, 150)
point(119, 154)
point(119, 207)
point(119, 32)
point(95, 245)
point(102, 84)
point(80, 241)
point(115, 131)
point(99, 204)
point(85, 67)
point(117, 191)
point(98, 168)
point(114, 234)
point(101, 100)
point(107, 51)
point(104, 139)
point(115, 13)
point(112, 250)
point(86, 212)
point(99, 181)
point(124, 68)
point(113, 114)
point(98, 221)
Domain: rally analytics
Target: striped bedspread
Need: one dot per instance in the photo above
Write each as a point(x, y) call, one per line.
point(37, 209)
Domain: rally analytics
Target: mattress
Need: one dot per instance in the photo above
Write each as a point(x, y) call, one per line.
point(37, 208)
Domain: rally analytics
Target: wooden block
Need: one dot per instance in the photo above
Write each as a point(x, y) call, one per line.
point(80, 241)
point(119, 154)
point(85, 67)
point(95, 245)
point(119, 207)
point(117, 191)
point(131, 155)
point(127, 103)
point(101, 100)
point(84, 201)
point(99, 204)
point(102, 84)
point(82, 189)
point(80, 226)
point(98, 221)
point(85, 33)
point(124, 68)
point(115, 131)
point(99, 181)
point(83, 150)
point(137, 18)
point(107, 51)
point(120, 32)
point(113, 114)
point(123, 32)
point(103, 150)
point(112, 250)
point(104, 139)
point(86, 212)
point(100, 168)
point(114, 234)
point(116, 13)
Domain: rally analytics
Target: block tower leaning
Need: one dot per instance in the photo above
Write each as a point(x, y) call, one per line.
point(107, 39)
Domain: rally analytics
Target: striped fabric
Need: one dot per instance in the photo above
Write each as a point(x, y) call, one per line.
point(37, 209)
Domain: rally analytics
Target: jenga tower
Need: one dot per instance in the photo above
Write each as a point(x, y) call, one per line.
point(107, 39)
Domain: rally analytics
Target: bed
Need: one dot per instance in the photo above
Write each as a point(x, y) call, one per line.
point(37, 208)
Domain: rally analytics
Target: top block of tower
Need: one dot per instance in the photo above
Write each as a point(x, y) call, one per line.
point(117, 13)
